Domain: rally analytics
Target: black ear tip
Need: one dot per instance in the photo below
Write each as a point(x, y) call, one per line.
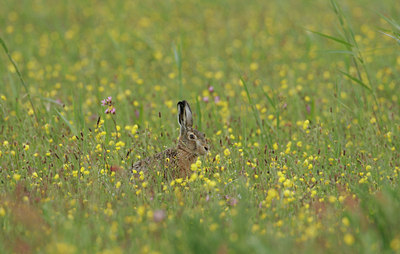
point(182, 104)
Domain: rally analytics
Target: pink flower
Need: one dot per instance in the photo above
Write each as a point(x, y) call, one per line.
point(233, 201)
point(211, 89)
point(216, 99)
point(159, 215)
point(109, 104)
point(205, 98)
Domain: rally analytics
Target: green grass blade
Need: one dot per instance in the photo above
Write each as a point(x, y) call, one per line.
point(273, 104)
point(390, 21)
point(255, 111)
point(198, 111)
point(346, 52)
point(333, 38)
point(391, 36)
point(3, 44)
point(71, 127)
point(357, 81)
point(178, 59)
point(269, 100)
point(51, 100)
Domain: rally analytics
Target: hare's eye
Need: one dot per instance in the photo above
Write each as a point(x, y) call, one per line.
point(192, 136)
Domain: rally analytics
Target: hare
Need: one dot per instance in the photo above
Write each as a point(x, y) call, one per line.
point(177, 160)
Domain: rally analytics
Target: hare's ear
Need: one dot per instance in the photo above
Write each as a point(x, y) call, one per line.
point(185, 119)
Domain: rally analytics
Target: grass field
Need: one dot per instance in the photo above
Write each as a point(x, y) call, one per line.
point(300, 101)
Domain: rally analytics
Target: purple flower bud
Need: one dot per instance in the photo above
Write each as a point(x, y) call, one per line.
point(205, 98)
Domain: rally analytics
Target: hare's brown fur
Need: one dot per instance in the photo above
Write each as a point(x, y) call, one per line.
point(176, 161)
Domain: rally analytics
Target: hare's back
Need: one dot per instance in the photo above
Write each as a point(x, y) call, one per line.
point(166, 157)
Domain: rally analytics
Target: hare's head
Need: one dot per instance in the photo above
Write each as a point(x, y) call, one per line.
point(190, 139)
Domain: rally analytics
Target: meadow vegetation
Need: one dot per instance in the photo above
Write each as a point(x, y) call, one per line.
point(300, 102)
